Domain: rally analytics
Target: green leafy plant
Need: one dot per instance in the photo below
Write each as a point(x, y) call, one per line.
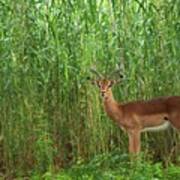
point(50, 113)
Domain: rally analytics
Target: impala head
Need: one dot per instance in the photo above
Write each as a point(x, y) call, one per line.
point(104, 84)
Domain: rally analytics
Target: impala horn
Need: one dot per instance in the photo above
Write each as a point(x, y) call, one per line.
point(117, 71)
point(93, 70)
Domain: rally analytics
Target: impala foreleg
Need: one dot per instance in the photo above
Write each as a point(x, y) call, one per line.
point(134, 142)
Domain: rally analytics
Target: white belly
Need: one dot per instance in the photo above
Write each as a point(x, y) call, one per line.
point(160, 127)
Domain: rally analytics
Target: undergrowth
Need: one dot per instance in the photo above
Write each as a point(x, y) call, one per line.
point(50, 114)
point(114, 166)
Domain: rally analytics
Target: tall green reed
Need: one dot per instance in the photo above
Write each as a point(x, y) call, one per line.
point(50, 113)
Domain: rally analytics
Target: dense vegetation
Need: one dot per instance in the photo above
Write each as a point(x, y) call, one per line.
point(50, 115)
point(113, 166)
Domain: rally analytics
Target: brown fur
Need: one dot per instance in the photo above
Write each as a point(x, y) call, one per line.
point(168, 107)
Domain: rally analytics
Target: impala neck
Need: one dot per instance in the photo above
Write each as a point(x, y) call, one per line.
point(113, 109)
point(108, 97)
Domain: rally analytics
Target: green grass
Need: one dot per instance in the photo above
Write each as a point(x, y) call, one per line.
point(50, 115)
point(113, 166)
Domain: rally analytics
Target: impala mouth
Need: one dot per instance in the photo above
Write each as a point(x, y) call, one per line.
point(102, 94)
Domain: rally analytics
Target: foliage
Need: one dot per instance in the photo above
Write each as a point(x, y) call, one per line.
point(115, 167)
point(50, 114)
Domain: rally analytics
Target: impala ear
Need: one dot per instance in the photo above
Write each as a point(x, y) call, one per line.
point(93, 82)
point(112, 82)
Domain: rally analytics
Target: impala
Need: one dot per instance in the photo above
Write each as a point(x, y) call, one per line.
point(138, 116)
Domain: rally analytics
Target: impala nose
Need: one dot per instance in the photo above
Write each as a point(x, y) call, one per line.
point(103, 93)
